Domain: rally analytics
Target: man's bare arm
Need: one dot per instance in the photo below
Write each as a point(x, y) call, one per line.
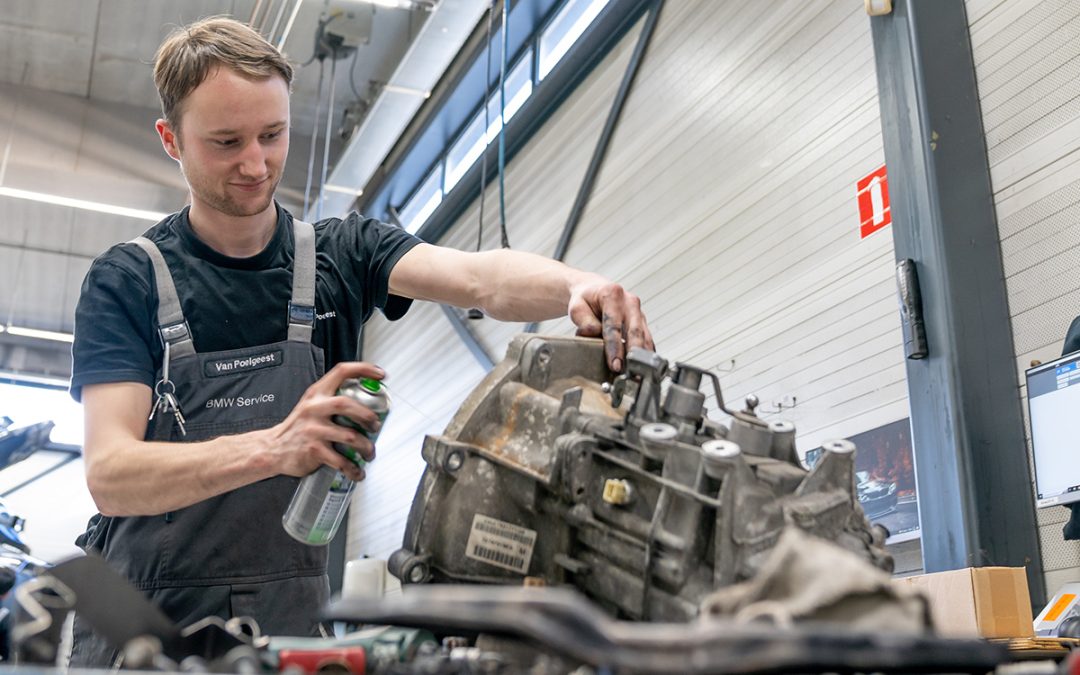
point(128, 476)
point(519, 286)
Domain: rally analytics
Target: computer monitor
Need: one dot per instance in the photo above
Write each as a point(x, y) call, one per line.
point(1054, 410)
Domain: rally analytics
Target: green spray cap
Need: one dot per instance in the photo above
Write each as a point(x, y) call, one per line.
point(371, 385)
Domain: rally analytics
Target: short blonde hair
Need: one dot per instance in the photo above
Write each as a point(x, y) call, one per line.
point(190, 53)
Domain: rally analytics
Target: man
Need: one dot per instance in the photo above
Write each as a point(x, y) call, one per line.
point(216, 325)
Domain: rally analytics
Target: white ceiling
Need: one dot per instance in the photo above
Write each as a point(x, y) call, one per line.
point(102, 51)
point(77, 108)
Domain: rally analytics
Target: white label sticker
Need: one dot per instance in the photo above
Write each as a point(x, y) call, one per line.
point(501, 544)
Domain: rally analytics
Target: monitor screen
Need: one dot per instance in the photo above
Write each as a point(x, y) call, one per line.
point(1054, 407)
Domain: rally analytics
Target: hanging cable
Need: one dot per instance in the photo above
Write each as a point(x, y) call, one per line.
point(502, 125)
point(475, 313)
point(314, 137)
point(352, 74)
point(487, 124)
point(329, 130)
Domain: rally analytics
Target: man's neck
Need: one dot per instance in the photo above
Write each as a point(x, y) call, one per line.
point(233, 236)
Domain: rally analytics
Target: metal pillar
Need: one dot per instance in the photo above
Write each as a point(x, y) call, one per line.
point(975, 497)
point(472, 343)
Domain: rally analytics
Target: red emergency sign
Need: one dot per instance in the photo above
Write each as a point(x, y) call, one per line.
point(874, 212)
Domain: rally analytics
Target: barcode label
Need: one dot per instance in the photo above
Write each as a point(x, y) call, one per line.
point(501, 544)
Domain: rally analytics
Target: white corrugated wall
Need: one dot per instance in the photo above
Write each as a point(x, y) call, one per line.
point(1027, 61)
point(727, 202)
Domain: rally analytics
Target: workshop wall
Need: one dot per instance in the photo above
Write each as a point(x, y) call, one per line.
point(727, 202)
point(1027, 63)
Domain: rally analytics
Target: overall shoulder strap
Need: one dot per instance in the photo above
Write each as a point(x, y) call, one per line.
point(172, 327)
point(302, 305)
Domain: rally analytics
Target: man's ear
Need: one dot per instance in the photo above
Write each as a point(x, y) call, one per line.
point(169, 139)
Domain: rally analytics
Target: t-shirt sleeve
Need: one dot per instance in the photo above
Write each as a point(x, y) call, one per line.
point(114, 340)
point(375, 248)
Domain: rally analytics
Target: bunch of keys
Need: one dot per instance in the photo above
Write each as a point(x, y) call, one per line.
point(166, 399)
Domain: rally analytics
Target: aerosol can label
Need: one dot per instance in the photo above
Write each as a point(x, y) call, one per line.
point(496, 542)
point(329, 514)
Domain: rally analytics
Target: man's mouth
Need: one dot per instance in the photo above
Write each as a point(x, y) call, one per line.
point(251, 187)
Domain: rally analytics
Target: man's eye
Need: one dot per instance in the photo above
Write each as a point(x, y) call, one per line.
point(226, 142)
point(271, 136)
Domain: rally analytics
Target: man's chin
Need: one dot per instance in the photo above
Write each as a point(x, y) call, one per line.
point(247, 208)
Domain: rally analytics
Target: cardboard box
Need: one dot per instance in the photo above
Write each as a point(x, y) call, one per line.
point(989, 602)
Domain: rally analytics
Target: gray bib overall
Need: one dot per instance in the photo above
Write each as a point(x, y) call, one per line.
point(227, 555)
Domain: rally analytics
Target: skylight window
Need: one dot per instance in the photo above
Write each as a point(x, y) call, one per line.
point(468, 147)
point(423, 203)
point(564, 30)
point(518, 89)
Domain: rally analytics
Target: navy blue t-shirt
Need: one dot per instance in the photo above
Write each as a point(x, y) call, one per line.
point(230, 303)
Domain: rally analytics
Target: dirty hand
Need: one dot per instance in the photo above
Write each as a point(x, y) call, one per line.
point(304, 440)
point(601, 308)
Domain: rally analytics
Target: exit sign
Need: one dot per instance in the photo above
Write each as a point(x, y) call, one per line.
point(873, 196)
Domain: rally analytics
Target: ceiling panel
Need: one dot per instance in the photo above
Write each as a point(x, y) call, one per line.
point(46, 129)
point(128, 35)
point(111, 126)
point(48, 44)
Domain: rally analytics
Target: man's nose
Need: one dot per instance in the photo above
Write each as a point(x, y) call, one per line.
point(253, 160)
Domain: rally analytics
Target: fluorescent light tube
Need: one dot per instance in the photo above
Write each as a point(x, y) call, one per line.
point(38, 333)
point(81, 204)
point(355, 192)
point(15, 376)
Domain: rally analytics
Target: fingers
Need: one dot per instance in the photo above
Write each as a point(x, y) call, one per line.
point(331, 456)
point(348, 427)
point(614, 317)
point(637, 330)
point(583, 316)
point(612, 333)
point(349, 441)
point(622, 324)
point(348, 412)
point(325, 428)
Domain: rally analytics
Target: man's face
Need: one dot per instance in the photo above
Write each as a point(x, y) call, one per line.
point(233, 141)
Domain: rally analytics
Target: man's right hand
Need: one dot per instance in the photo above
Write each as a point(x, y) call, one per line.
point(304, 440)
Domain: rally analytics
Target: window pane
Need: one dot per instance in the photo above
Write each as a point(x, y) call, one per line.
point(518, 90)
point(564, 30)
point(465, 151)
point(417, 210)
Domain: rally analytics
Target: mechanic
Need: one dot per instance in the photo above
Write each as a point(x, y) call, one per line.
point(232, 299)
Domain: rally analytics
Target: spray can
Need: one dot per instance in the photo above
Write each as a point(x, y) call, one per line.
point(318, 506)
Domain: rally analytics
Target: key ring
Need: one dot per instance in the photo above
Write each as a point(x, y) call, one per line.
point(158, 389)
